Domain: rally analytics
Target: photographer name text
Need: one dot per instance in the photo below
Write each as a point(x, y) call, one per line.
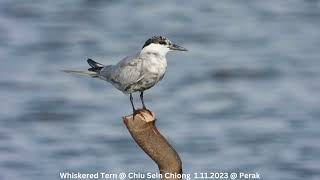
point(138, 175)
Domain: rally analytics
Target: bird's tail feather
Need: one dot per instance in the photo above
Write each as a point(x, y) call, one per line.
point(84, 73)
point(95, 66)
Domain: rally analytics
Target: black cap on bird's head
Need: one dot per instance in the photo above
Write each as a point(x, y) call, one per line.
point(165, 42)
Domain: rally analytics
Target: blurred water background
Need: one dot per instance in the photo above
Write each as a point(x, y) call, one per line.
point(245, 97)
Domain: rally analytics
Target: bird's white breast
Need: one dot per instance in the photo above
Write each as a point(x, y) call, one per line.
point(154, 65)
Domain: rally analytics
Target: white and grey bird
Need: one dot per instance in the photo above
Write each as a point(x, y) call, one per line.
point(138, 72)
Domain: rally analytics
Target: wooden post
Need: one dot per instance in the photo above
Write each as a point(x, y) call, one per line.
point(143, 130)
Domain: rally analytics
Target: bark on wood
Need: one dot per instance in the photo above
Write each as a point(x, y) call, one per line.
point(143, 130)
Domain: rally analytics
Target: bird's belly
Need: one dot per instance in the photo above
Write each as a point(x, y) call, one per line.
point(149, 80)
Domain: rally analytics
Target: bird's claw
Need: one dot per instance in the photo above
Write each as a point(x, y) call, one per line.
point(135, 112)
point(144, 108)
point(138, 112)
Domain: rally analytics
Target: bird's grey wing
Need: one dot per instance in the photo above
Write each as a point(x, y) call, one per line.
point(125, 73)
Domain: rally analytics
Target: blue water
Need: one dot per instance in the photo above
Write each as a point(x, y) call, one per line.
point(245, 97)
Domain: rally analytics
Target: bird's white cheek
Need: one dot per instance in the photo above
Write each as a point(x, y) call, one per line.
point(163, 50)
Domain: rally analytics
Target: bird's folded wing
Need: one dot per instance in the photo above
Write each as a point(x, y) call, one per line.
point(127, 72)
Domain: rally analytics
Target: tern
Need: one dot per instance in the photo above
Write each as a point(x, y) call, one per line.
point(137, 72)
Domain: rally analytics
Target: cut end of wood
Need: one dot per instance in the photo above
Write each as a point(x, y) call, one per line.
point(141, 114)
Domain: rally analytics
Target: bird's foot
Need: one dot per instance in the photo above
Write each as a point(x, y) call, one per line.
point(135, 112)
point(144, 108)
point(143, 112)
